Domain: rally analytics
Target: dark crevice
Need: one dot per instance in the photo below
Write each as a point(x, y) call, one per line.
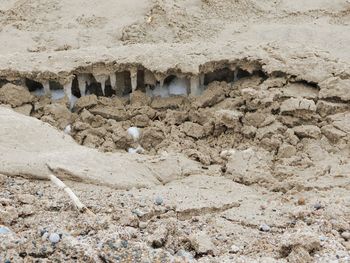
point(33, 85)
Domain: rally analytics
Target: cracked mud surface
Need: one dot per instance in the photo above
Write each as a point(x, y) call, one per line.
point(254, 169)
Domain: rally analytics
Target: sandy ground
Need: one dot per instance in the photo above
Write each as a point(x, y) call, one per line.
point(255, 169)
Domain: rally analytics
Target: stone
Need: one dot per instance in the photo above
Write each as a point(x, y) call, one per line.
point(159, 237)
point(193, 130)
point(214, 94)
point(234, 249)
point(25, 109)
point(110, 112)
point(298, 243)
point(175, 117)
point(264, 228)
point(8, 215)
point(54, 238)
point(151, 137)
point(335, 87)
point(341, 121)
point(59, 113)
point(346, 235)
point(307, 131)
point(249, 131)
point(333, 134)
point(325, 108)
point(26, 198)
point(202, 243)
point(139, 98)
point(85, 102)
point(297, 104)
point(143, 225)
point(250, 166)
point(186, 256)
point(229, 118)
point(286, 151)
point(15, 95)
point(158, 200)
point(270, 130)
point(4, 230)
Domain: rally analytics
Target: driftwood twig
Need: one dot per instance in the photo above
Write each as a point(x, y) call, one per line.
point(81, 207)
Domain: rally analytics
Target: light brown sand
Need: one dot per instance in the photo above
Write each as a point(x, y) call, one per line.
point(268, 152)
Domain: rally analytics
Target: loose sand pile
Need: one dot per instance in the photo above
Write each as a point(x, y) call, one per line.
point(253, 169)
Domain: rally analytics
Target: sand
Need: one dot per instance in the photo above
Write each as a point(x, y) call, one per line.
point(255, 168)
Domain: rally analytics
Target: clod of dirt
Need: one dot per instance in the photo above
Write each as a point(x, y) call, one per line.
point(202, 243)
point(15, 95)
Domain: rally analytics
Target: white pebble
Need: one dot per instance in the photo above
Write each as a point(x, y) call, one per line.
point(4, 230)
point(68, 129)
point(234, 249)
point(264, 228)
point(54, 238)
point(134, 132)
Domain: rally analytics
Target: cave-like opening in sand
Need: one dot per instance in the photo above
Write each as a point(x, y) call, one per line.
point(33, 85)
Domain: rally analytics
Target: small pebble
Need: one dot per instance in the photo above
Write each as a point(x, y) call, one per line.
point(323, 239)
point(4, 230)
point(158, 200)
point(301, 201)
point(54, 238)
point(346, 235)
point(264, 228)
point(184, 254)
point(142, 225)
point(317, 206)
point(234, 249)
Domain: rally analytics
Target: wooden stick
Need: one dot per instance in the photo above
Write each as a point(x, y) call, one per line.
point(81, 207)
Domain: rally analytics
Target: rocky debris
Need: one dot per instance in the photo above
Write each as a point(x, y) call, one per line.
point(214, 94)
point(158, 238)
point(110, 112)
point(258, 119)
point(234, 249)
point(335, 87)
point(325, 108)
point(4, 230)
point(193, 130)
point(158, 200)
point(341, 121)
point(298, 244)
point(85, 102)
point(151, 137)
point(229, 118)
point(250, 166)
point(264, 228)
point(333, 134)
point(54, 238)
point(286, 151)
point(57, 115)
point(268, 131)
point(25, 109)
point(202, 244)
point(298, 104)
point(346, 235)
point(139, 99)
point(26, 198)
point(8, 215)
point(173, 117)
point(307, 131)
point(15, 95)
